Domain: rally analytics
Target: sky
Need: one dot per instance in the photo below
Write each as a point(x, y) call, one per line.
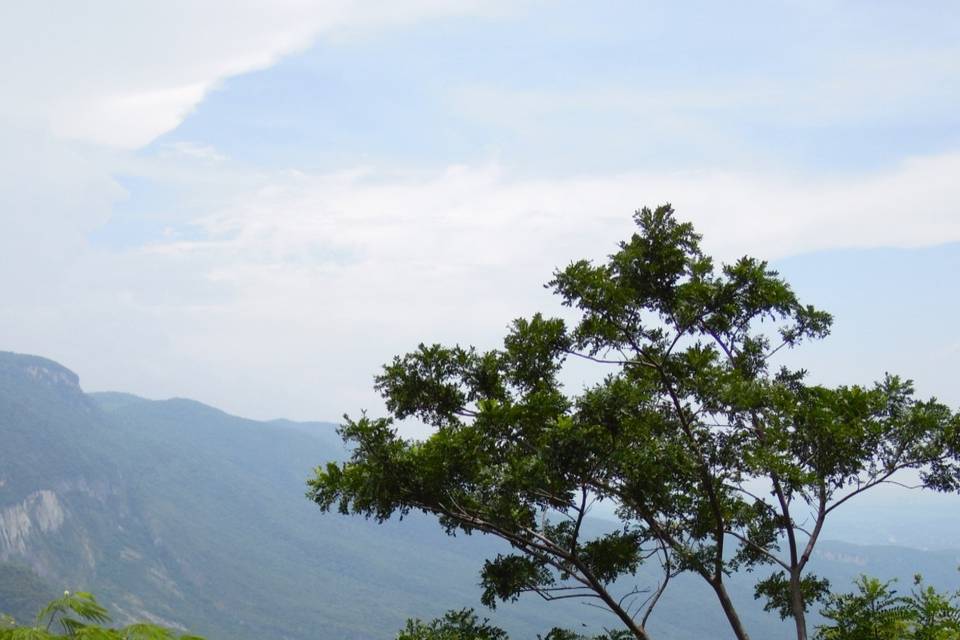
point(256, 204)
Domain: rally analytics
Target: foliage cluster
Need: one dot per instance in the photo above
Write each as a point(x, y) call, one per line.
point(79, 616)
point(466, 625)
point(876, 612)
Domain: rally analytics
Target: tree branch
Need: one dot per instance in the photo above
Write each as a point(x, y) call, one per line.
point(744, 539)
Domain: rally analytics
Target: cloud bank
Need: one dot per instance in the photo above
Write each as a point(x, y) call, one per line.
point(293, 291)
point(121, 73)
point(280, 292)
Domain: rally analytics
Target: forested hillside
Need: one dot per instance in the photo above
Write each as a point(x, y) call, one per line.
point(175, 512)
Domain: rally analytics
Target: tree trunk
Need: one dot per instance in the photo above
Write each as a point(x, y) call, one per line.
point(729, 610)
point(638, 631)
point(796, 605)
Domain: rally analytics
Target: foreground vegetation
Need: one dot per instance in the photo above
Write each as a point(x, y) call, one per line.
point(873, 612)
point(717, 459)
point(876, 612)
point(80, 616)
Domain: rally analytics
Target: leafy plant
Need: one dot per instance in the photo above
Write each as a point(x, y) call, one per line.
point(876, 612)
point(79, 615)
point(936, 615)
point(465, 625)
point(454, 625)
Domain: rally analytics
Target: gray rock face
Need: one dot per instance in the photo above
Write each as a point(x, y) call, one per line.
point(39, 513)
point(39, 370)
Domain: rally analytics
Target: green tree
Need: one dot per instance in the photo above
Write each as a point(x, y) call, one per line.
point(936, 615)
point(716, 458)
point(454, 625)
point(465, 625)
point(79, 616)
point(876, 612)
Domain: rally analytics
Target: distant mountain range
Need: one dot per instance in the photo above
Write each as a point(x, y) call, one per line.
point(175, 512)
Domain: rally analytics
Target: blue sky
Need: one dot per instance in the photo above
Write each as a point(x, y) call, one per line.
point(562, 88)
point(256, 205)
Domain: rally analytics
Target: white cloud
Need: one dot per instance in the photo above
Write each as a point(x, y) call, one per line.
point(122, 73)
point(194, 150)
point(83, 83)
point(294, 287)
point(478, 217)
point(297, 289)
point(125, 120)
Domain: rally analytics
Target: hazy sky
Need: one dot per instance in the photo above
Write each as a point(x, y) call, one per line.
point(255, 204)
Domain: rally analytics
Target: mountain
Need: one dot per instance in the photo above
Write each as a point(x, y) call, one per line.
point(176, 512)
point(22, 592)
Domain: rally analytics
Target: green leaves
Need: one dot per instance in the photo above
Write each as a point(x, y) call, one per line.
point(642, 276)
point(454, 625)
point(72, 612)
point(79, 616)
point(426, 384)
point(534, 351)
point(613, 555)
point(465, 625)
point(376, 481)
point(709, 452)
point(935, 615)
point(876, 612)
point(566, 634)
point(507, 576)
point(777, 592)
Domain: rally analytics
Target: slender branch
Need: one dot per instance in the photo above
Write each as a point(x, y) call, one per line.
point(705, 476)
point(785, 512)
point(745, 492)
point(633, 592)
point(773, 352)
point(586, 356)
point(542, 543)
point(561, 588)
point(742, 538)
point(869, 484)
point(821, 517)
point(912, 487)
point(681, 331)
point(550, 597)
point(667, 574)
point(545, 549)
point(576, 527)
point(713, 334)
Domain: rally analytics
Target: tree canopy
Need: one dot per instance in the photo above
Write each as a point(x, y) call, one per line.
point(717, 457)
